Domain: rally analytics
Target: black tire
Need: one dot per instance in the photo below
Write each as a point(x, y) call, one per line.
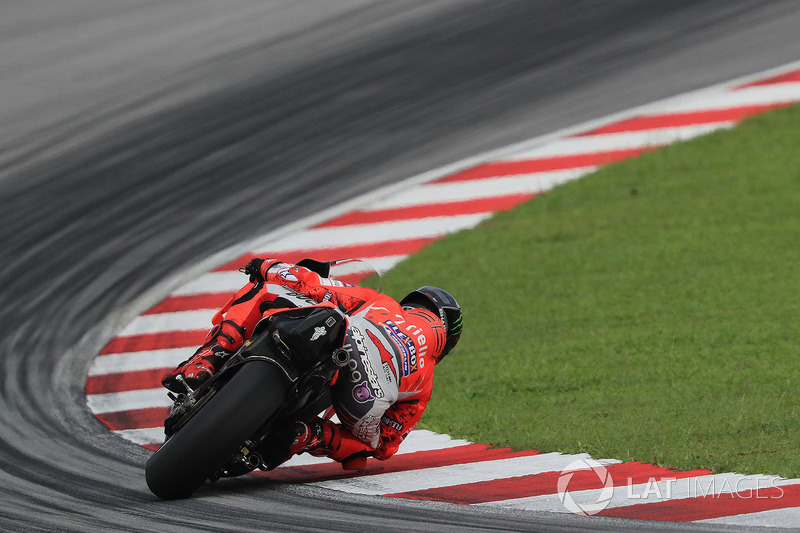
point(215, 433)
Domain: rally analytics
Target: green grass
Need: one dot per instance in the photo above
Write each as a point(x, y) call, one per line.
point(648, 312)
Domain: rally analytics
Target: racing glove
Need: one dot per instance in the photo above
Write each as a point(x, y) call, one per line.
point(253, 269)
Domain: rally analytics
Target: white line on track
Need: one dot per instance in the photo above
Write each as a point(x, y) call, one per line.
point(483, 188)
point(328, 237)
point(617, 141)
point(135, 361)
point(729, 98)
point(771, 518)
point(446, 476)
point(177, 321)
point(128, 401)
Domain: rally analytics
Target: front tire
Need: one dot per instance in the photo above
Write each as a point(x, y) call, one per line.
point(217, 431)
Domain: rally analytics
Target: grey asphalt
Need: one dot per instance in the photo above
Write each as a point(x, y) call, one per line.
point(137, 138)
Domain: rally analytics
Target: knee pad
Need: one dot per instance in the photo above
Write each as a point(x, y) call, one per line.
point(230, 335)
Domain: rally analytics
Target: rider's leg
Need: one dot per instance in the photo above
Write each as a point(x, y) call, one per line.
point(323, 438)
point(227, 336)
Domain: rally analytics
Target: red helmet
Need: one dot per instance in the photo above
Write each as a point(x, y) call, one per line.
point(442, 304)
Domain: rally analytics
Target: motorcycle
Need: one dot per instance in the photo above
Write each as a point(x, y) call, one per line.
point(237, 421)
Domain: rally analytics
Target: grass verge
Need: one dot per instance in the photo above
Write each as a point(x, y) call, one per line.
point(649, 312)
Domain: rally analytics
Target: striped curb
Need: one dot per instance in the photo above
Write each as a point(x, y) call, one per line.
point(383, 228)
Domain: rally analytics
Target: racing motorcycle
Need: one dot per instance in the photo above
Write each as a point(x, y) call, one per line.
point(239, 420)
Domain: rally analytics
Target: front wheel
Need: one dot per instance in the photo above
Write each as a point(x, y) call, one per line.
point(215, 433)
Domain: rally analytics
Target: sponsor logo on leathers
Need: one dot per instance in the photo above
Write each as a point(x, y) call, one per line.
point(387, 358)
point(361, 348)
point(406, 345)
point(361, 393)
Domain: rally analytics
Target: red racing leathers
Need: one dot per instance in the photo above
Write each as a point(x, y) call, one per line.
point(381, 394)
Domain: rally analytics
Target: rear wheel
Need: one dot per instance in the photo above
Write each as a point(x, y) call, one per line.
point(215, 433)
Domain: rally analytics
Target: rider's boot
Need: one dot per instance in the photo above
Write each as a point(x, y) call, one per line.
point(198, 369)
point(323, 438)
point(319, 437)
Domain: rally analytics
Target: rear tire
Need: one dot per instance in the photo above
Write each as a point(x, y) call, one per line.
point(217, 431)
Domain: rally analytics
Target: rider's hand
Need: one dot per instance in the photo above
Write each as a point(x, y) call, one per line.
point(253, 269)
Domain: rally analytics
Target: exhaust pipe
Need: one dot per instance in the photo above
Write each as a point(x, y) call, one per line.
point(340, 357)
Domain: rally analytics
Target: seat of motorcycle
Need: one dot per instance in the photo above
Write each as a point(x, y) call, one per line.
point(311, 333)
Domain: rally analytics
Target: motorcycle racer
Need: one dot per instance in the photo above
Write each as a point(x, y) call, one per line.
point(393, 348)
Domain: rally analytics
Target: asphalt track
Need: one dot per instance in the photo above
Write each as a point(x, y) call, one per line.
point(137, 138)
